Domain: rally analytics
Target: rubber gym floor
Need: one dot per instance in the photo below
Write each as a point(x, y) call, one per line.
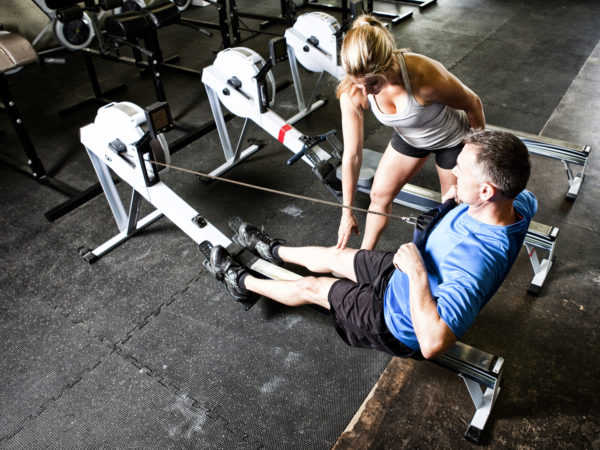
point(144, 349)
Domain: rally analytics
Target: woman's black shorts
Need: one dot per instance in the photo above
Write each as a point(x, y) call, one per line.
point(444, 157)
point(357, 308)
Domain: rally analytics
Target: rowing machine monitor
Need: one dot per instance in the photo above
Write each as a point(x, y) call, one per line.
point(158, 118)
point(278, 50)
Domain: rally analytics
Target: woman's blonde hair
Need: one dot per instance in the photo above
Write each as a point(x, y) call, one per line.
point(368, 50)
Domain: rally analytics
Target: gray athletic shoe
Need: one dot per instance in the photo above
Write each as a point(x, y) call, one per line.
point(256, 241)
point(229, 271)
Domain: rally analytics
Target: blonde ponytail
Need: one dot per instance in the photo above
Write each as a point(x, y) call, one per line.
point(368, 50)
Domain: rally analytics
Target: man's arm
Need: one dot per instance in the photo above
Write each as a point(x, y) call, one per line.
point(434, 336)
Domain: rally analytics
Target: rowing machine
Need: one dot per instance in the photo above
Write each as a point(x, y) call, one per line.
point(241, 80)
point(242, 96)
point(117, 142)
point(314, 41)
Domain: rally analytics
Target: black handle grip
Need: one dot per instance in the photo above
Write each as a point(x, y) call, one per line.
point(297, 156)
point(68, 14)
point(60, 4)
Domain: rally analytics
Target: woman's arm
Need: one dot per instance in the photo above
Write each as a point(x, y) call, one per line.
point(432, 83)
point(353, 134)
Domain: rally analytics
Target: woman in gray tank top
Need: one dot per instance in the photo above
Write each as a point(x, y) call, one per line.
point(428, 107)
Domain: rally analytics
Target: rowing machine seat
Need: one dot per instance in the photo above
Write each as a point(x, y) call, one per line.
point(128, 25)
point(162, 14)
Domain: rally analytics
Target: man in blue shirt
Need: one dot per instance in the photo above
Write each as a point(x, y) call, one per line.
point(412, 302)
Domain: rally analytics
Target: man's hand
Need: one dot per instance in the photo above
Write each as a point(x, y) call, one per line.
point(434, 336)
point(348, 225)
point(451, 194)
point(408, 259)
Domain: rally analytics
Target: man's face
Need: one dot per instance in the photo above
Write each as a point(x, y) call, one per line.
point(468, 183)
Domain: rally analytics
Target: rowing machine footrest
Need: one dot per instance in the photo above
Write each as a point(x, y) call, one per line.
point(335, 144)
point(205, 248)
point(325, 171)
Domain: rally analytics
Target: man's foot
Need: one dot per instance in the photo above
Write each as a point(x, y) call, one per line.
point(229, 271)
point(255, 240)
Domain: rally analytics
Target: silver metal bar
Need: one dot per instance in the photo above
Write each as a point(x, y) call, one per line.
point(215, 106)
point(110, 190)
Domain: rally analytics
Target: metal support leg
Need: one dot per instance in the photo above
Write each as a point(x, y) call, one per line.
point(232, 157)
point(303, 110)
point(34, 166)
point(484, 401)
point(128, 223)
point(574, 181)
point(540, 269)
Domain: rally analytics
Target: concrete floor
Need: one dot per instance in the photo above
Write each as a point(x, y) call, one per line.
point(143, 349)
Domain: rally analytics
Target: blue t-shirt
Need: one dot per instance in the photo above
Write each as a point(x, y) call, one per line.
point(466, 261)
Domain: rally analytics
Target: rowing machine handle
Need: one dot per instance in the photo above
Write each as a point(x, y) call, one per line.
point(297, 156)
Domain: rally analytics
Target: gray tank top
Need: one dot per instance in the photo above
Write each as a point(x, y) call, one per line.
point(433, 127)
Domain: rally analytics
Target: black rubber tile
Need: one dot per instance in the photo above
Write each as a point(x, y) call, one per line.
point(564, 28)
point(440, 32)
point(43, 356)
point(282, 375)
point(526, 77)
point(119, 405)
point(112, 296)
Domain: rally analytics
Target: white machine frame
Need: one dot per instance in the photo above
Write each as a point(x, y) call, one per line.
point(123, 121)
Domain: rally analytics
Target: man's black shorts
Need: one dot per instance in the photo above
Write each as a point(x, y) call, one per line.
point(444, 157)
point(357, 308)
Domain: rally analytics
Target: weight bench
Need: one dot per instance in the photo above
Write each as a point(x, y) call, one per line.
point(15, 53)
point(482, 374)
point(563, 151)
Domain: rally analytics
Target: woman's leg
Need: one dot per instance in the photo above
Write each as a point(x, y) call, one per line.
point(393, 172)
point(447, 179)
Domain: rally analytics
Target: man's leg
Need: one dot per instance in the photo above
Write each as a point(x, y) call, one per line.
point(321, 259)
point(307, 290)
point(315, 259)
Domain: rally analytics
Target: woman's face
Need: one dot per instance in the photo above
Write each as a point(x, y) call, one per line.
point(369, 85)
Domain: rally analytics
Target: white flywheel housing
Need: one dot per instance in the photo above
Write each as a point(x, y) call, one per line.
point(321, 26)
point(74, 34)
point(126, 121)
point(243, 64)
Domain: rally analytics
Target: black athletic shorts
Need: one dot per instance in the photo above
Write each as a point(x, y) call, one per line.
point(444, 157)
point(357, 308)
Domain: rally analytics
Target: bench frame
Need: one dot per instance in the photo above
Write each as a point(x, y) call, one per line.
point(482, 374)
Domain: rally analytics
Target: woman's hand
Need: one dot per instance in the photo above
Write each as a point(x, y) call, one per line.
point(348, 225)
point(451, 194)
